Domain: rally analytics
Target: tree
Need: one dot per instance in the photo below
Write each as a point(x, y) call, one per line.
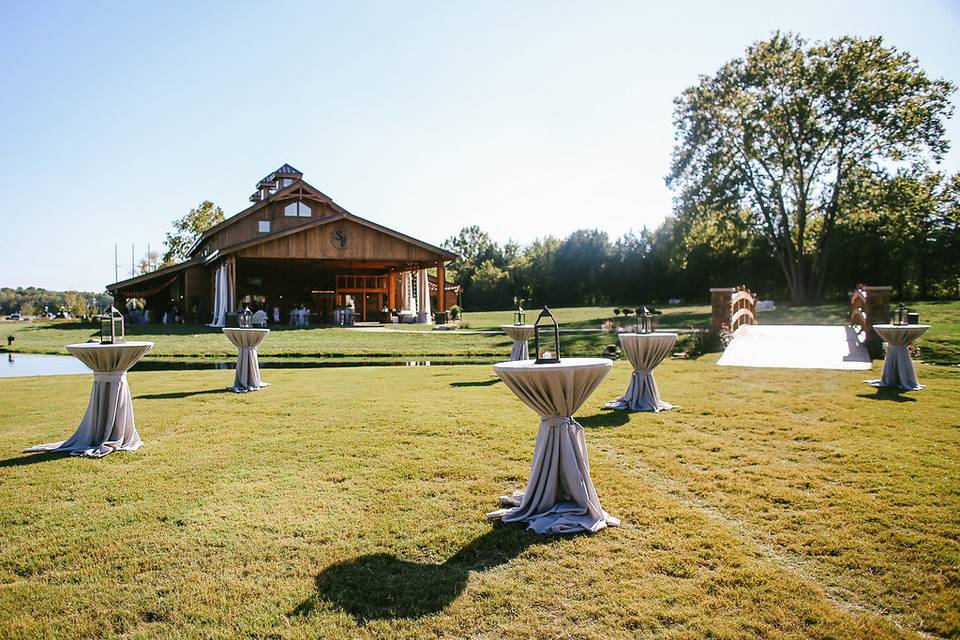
point(783, 132)
point(151, 262)
point(473, 246)
point(187, 229)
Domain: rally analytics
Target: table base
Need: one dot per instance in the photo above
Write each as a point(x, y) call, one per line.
point(898, 371)
point(519, 351)
point(560, 496)
point(642, 395)
point(247, 377)
point(107, 424)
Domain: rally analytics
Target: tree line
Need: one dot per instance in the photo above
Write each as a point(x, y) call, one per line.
point(31, 301)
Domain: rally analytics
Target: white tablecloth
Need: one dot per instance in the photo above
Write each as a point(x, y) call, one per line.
point(519, 333)
point(645, 351)
point(107, 424)
point(247, 377)
point(560, 496)
point(898, 368)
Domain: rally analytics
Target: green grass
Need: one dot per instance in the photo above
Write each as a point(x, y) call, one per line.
point(350, 503)
point(941, 345)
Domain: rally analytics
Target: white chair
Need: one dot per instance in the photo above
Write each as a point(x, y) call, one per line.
point(259, 319)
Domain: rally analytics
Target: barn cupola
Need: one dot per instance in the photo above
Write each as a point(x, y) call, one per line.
point(279, 179)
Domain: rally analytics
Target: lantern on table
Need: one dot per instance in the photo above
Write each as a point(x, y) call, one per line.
point(245, 319)
point(546, 336)
point(901, 315)
point(519, 316)
point(646, 319)
point(112, 329)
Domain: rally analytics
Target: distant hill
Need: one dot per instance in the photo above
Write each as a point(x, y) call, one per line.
point(33, 300)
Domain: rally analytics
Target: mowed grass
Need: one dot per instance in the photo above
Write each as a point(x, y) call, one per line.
point(349, 503)
point(941, 345)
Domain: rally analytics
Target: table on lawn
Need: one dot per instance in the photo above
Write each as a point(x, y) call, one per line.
point(560, 496)
point(519, 333)
point(247, 377)
point(645, 351)
point(898, 371)
point(108, 423)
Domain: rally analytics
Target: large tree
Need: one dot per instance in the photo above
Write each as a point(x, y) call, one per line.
point(785, 131)
point(187, 229)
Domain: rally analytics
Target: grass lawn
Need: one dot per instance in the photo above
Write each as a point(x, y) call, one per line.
point(941, 345)
point(350, 503)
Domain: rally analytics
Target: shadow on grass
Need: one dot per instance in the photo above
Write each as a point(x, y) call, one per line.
point(173, 395)
point(478, 383)
point(605, 420)
point(381, 586)
point(34, 458)
point(885, 393)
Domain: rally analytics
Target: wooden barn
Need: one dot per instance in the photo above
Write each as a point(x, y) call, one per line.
point(294, 250)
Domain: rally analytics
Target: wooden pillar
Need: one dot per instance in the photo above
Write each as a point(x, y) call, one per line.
point(720, 298)
point(391, 290)
point(878, 307)
point(231, 284)
point(441, 287)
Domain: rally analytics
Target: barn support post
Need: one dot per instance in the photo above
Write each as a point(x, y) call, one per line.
point(441, 287)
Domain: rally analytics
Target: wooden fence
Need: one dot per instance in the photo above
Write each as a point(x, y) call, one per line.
point(869, 305)
point(734, 306)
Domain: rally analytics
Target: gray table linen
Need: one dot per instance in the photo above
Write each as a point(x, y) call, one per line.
point(520, 334)
point(645, 351)
point(108, 423)
point(898, 371)
point(560, 496)
point(247, 377)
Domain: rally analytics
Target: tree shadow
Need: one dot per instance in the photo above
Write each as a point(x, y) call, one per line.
point(172, 395)
point(478, 383)
point(34, 458)
point(606, 420)
point(380, 586)
point(886, 393)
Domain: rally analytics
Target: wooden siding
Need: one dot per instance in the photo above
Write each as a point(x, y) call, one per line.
point(362, 243)
point(248, 228)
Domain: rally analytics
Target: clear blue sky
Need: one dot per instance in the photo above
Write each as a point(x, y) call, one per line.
point(526, 118)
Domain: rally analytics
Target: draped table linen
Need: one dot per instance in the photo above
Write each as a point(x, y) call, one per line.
point(108, 423)
point(520, 334)
point(247, 377)
point(645, 351)
point(898, 371)
point(560, 496)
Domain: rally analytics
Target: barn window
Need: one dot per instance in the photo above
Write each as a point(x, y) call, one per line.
point(264, 226)
point(295, 209)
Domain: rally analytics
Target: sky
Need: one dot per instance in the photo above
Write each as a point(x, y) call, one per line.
point(525, 118)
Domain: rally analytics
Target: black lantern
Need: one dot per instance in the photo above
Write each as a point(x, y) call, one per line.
point(519, 316)
point(901, 315)
point(546, 337)
point(245, 319)
point(646, 319)
point(111, 327)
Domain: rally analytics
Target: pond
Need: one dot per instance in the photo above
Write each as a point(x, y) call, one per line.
point(16, 365)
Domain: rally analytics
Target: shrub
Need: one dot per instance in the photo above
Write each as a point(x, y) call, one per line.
point(455, 312)
point(616, 311)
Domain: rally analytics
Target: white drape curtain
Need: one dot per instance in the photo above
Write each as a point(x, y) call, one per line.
point(220, 302)
point(409, 302)
point(423, 297)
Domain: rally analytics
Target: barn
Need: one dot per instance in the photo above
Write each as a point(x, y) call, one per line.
point(295, 251)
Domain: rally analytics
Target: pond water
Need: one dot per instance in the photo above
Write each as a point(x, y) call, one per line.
point(15, 365)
